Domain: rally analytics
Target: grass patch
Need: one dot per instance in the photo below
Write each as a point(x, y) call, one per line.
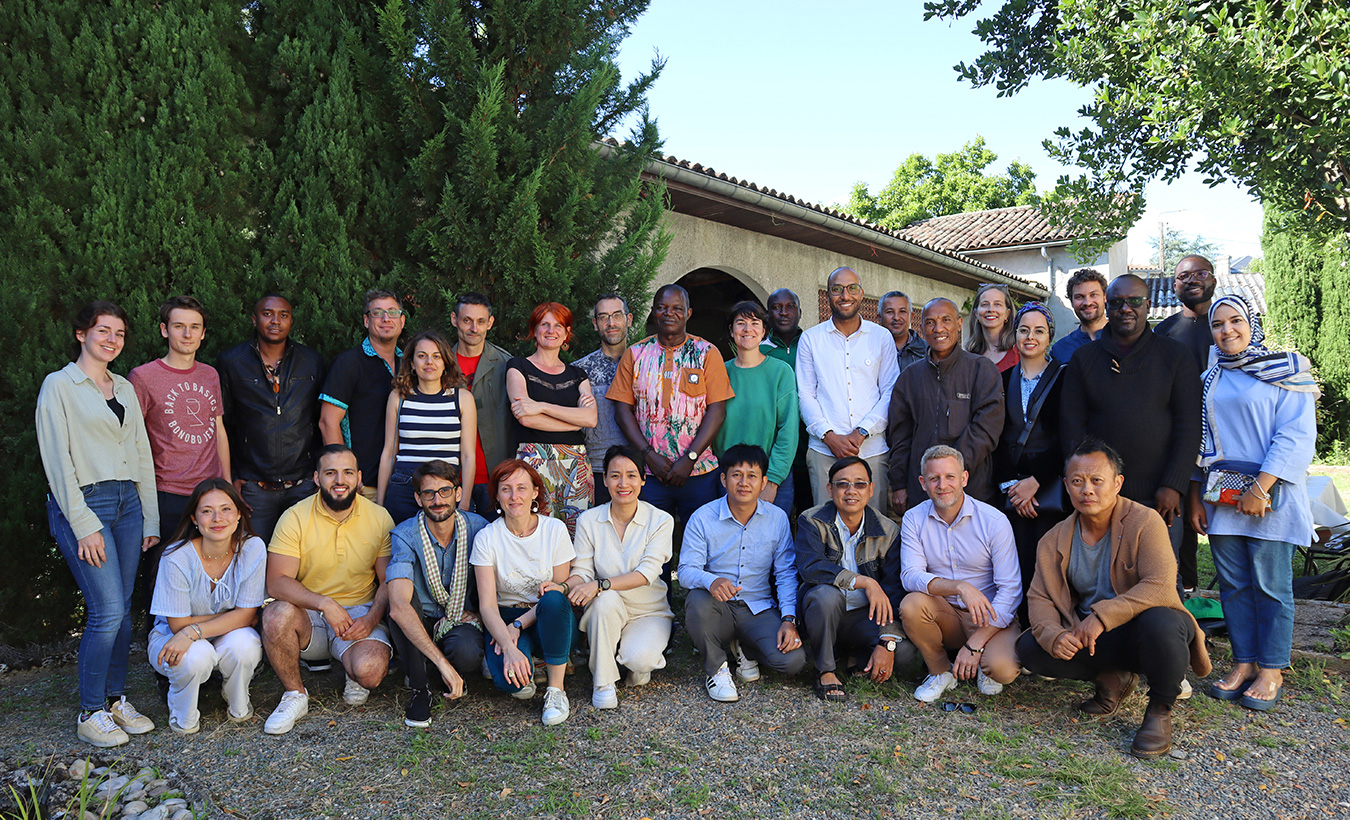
point(1090, 786)
point(1311, 676)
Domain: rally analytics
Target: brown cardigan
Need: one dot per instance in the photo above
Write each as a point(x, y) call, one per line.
point(1143, 576)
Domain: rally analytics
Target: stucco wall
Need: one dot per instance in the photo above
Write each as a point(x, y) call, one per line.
point(765, 263)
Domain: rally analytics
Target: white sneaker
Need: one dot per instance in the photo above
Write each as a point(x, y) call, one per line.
point(987, 685)
point(1186, 690)
point(556, 707)
point(525, 692)
point(293, 706)
point(354, 693)
point(639, 678)
point(934, 686)
point(605, 697)
point(99, 730)
point(130, 721)
point(746, 669)
point(721, 688)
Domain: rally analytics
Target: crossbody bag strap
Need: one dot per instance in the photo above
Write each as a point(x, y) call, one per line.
point(1033, 412)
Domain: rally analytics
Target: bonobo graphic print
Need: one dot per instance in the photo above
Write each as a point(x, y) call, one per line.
point(180, 409)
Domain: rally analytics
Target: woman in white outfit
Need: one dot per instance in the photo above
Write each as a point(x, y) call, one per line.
point(211, 583)
point(621, 547)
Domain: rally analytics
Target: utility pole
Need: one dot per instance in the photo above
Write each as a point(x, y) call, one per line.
point(1162, 246)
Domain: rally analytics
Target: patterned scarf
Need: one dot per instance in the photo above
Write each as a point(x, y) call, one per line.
point(1287, 371)
point(452, 601)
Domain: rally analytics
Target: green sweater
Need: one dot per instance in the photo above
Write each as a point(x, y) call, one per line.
point(763, 412)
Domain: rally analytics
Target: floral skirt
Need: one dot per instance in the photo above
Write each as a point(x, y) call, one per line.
point(567, 476)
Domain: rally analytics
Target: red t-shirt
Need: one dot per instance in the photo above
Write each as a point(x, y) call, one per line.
point(469, 366)
point(180, 409)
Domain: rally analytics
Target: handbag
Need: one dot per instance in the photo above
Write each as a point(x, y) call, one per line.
point(1226, 481)
point(1050, 497)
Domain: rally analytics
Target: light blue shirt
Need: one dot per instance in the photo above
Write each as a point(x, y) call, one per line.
point(853, 598)
point(977, 548)
point(754, 557)
point(183, 589)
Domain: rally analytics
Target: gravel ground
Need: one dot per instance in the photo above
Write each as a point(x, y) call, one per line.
point(668, 751)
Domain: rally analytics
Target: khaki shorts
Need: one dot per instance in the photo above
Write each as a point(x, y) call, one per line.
point(324, 642)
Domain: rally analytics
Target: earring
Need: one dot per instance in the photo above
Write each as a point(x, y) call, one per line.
point(534, 506)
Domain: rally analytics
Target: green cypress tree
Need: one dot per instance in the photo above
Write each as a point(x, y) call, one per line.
point(1333, 347)
point(503, 102)
point(1293, 272)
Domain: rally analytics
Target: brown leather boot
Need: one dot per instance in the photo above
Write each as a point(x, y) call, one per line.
point(1154, 738)
point(1113, 686)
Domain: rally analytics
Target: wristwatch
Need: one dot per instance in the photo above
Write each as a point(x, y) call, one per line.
point(790, 619)
point(518, 625)
point(888, 643)
point(693, 455)
point(604, 584)
point(862, 430)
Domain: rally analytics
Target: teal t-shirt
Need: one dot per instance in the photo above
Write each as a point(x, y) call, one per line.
point(763, 412)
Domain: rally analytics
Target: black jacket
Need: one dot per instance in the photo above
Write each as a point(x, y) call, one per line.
point(1041, 457)
point(273, 436)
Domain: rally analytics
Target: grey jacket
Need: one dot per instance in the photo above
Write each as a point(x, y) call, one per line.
point(494, 410)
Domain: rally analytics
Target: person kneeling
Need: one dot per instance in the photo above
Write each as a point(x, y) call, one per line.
point(960, 565)
point(1104, 603)
point(849, 560)
point(736, 551)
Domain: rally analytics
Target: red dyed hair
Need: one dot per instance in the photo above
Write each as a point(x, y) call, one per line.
point(559, 311)
point(502, 471)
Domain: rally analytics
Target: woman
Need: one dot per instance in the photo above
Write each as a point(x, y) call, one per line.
point(989, 328)
point(431, 415)
point(552, 401)
point(1259, 420)
point(521, 562)
point(764, 409)
point(616, 576)
point(212, 580)
point(1028, 464)
point(102, 510)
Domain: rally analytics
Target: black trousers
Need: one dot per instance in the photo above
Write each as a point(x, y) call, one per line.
point(462, 646)
point(1156, 644)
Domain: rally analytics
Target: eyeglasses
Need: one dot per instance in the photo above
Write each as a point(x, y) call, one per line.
point(841, 486)
point(1194, 275)
point(1118, 302)
point(853, 290)
point(617, 316)
point(963, 708)
point(377, 313)
point(447, 492)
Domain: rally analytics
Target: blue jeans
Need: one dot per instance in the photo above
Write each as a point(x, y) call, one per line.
point(1256, 587)
point(549, 637)
point(107, 589)
point(398, 497)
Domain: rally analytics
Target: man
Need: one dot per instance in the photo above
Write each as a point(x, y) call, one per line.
point(785, 333)
point(964, 582)
point(670, 394)
point(737, 550)
point(1194, 285)
point(356, 392)
point(1104, 605)
point(1087, 296)
point(894, 313)
point(181, 401)
point(484, 367)
point(952, 397)
point(848, 557)
point(1139, 392)
point(612, 320)
point(326, 570)
point(270, 392)
point(845, 371)
point(433, 599)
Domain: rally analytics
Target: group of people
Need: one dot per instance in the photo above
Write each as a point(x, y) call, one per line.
point(526, 510)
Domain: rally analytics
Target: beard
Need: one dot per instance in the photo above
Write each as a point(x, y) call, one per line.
point(338, 504)
point(1190, 301)
point(439, 514)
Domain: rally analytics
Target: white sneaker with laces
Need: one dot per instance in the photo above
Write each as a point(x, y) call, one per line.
point(1186, 690)
point(131, 721)
point(720, 686)
point(934, 686)
point(605, 697)
point(746, 669)
point(293, 706)
point(556, 707)
point(525, 692)
point(987, 685)
point(639, 678)
point(354, 693)
point(99, 730)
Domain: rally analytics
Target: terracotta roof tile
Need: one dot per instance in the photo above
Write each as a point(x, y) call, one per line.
point(982, 230)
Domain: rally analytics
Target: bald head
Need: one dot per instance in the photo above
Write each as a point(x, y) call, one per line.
point(840, 271)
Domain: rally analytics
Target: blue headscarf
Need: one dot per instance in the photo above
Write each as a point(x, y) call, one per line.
point(1037, 307)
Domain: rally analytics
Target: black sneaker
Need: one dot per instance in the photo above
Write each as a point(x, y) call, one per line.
point(418, 715)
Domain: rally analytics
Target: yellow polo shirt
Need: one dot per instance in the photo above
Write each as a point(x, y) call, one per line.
point(337, 558)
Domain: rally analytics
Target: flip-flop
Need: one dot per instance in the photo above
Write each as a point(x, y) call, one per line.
point(830, 692)
point(1219, 693)
point(1261, 705)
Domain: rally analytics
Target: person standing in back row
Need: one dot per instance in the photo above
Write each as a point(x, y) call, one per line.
point(612, 320)
point(484, 367)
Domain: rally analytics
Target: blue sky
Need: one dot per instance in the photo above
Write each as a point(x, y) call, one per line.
point(811, 97)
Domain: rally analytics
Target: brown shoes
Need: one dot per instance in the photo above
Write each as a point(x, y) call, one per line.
point(1112, 688)
point(1154, 738)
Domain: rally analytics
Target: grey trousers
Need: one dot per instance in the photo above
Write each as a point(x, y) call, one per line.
point(713, 624)
point(830, 626)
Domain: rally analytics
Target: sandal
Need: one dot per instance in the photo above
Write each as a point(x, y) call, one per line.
point(830, 692)
point(1218, 692)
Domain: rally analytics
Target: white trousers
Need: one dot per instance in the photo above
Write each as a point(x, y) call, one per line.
point(618, 636)
point(236, 653)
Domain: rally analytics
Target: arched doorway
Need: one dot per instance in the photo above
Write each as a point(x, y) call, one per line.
point(712, 294)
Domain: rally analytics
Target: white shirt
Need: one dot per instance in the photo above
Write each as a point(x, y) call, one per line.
point(522, 564)
point(844, 382)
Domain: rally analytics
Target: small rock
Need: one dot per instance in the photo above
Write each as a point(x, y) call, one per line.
point(174, 803)
point(89, 815)
point(145, 773)
point(133, 788)
point(1177, 754)
point(157, 813)
point(135, 807)
point(99, 771)
point(79, 769)
point(183, 814)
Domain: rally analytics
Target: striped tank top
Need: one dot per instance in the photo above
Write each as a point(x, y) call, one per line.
point(428, 428)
